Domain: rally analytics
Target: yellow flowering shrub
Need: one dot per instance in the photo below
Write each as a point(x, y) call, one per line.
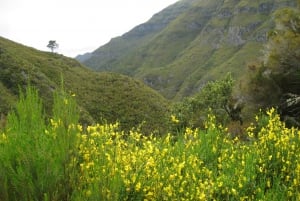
point(197, 165)
point(64, 161)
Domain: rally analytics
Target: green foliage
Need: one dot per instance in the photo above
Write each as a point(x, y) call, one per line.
point(101, 97)
point(278, 73)
point(261, 88)
point(66, 112)
point(28, 117)
point(213, 97)
point(283, 50)
point(36, 156)
point(7, 99)
point(60, 161)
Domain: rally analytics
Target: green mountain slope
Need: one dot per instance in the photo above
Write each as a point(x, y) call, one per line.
point(189, 43)
point(101, 96)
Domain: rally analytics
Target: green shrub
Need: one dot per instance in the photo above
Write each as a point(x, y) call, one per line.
point(214, 96)
point(35, 157)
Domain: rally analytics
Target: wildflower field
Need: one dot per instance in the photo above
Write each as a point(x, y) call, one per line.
point(54, 158)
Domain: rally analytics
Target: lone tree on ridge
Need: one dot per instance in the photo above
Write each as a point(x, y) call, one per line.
point(52, 45)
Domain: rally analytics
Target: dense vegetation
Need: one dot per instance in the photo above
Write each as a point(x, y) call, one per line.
point(214, 97)
point(56, 159)
point(101, 96)
point(276, 80)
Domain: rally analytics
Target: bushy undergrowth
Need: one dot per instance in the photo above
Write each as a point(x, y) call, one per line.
point(57, 159)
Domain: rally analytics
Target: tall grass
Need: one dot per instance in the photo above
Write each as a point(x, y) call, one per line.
point(55, 159)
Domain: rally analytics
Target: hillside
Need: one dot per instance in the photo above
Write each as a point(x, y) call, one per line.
point(101, 96)
point(193, 41)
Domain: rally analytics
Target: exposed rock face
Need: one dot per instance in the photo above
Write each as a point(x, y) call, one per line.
point(289, 109)
point(245, 9)
point(195, 40)
point(225, 13)
point(266, 7)
point(234, 36)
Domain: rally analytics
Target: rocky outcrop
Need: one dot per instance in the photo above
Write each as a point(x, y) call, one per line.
point(289, 109)
point(234, 36)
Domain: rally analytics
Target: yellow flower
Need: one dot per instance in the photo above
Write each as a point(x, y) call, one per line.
point(138, 186)
point(90, 164)
point(168, 138)
point(174, 120)
point(180, 167)
point(234, 192)
point(4, 137)
point(172, 176)
point(168, 190)
point(79, 127)
point(270, 157)
point(220, 184)
point(86, 156)
point(295, 182)
point(202, 196)
point(66, 101)
point(88, 193)
point(149, 194)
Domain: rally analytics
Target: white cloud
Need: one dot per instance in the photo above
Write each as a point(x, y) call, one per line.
point(77, 25)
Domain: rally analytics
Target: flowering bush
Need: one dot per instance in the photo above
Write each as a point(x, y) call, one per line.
point(63, 161)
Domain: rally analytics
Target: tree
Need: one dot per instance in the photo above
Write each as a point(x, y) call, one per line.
point(279, 76)
point(215, 97)
point(52, 45)
point(283, 51)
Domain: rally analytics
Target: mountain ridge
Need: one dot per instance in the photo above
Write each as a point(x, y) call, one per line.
point(203, 40)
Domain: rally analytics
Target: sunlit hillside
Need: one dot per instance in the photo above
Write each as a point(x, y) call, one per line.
point(101, 96)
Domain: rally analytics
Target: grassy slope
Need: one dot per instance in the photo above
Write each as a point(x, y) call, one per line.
point(209, 38)
point(100, 96)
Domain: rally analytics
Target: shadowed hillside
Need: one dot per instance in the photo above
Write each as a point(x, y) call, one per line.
point(189, 43)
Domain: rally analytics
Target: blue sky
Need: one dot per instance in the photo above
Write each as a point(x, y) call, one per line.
point(78, 26)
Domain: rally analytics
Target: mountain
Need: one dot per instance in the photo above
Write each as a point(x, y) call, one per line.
point(189, 43)
point(83, 57)
point(108, 97)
